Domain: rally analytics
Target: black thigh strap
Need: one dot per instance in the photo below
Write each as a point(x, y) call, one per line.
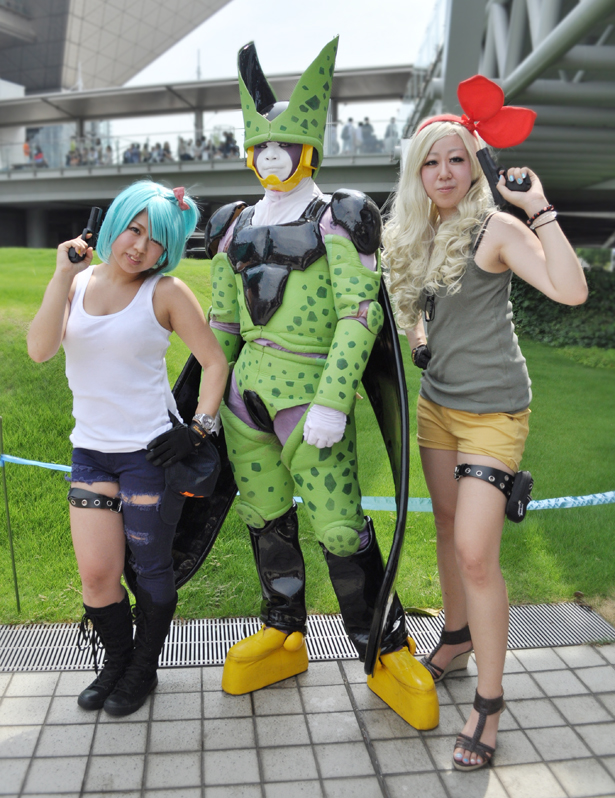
point(86, 498)
point(497, 478)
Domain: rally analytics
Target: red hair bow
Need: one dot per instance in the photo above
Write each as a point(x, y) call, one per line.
point(485, 113)
point(179, 196)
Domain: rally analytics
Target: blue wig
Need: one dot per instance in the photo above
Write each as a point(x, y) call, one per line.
point(168, 224)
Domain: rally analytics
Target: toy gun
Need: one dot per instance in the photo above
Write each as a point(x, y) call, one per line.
point(492, 173)
point(93, 227)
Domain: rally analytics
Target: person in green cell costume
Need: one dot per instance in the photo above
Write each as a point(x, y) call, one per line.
point(295, 283)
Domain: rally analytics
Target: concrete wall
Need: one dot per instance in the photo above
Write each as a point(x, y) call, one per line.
point(11, 138)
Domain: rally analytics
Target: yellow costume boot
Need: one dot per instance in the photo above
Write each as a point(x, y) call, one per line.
point(399, 679)
point(406, 685)
point(267, 657)
point(272, 655)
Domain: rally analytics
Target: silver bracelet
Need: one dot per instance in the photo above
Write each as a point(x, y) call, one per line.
point(545, 218)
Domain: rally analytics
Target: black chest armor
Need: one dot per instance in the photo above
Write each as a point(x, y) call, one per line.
point(264, 256)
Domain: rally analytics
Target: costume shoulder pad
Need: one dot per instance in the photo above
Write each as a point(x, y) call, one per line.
point(219, 222)
point(358, 214)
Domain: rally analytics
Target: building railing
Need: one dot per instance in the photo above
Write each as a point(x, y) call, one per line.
point(346, 137)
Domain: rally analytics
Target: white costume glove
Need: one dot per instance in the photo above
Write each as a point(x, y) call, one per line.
point(324, 426)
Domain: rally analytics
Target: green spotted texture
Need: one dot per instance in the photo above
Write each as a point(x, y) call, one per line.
point(303, 122)
point(229, 343)
point(351, 282)
point(311, 319)
point(281, 379)
point(329, 486)
point(345, 365)
point(267, 474)
point(305, 324)
point(264, 483)
point(375, 317)
point(224, 305)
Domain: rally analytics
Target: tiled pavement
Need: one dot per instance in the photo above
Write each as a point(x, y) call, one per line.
point(321, 734)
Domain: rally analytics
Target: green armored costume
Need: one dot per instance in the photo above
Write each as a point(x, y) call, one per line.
point(295, 283)
point(309, 309)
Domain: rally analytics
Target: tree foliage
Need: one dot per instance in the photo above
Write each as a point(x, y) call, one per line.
point(592, 324)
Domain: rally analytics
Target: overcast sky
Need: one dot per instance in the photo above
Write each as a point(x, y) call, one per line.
point(288, 35)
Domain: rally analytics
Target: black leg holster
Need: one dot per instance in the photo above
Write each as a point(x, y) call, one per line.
point(281, 571)
point(357, 580)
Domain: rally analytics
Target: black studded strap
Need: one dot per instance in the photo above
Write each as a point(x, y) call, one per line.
point(497, 478)
point(79, 497)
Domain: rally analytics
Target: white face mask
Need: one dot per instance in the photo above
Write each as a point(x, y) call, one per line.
point(273, 159)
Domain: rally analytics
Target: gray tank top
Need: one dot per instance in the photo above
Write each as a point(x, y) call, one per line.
point(476, 364)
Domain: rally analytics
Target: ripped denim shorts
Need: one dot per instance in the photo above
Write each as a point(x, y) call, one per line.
point(135, 475)
point(150, 540)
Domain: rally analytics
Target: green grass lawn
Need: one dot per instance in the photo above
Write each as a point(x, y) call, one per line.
point(548, 557)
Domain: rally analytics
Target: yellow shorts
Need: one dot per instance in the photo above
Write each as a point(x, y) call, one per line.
point(499, 435)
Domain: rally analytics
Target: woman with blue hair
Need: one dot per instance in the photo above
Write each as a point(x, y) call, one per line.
point(114, 320)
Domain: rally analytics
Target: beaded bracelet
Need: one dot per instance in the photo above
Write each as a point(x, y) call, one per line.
point(533, 218)
point(551, 216)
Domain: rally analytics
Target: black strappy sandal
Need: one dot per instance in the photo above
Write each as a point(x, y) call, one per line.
point(484, 707)
point(459, 662)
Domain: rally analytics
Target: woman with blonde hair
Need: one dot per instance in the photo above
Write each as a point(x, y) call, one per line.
point(450, 254)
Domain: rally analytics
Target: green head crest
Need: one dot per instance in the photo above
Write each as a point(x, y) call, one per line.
point(303, 120)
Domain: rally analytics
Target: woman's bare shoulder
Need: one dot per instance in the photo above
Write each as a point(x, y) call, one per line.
point(170, 286)
point(505, 224)
point(502, 230)
point(174, 293)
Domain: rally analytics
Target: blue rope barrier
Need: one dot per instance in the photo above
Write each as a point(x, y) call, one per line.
point(388, 502)
point(424, 505)
point(7, 458)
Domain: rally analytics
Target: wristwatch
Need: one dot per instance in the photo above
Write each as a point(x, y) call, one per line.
point(206, 422)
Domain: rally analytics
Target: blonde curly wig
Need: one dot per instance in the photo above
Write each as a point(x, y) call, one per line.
point(423, 253)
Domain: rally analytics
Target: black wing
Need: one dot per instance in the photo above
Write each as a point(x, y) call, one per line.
point(385, 384)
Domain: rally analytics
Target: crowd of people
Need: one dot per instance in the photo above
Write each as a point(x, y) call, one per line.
point(82, 153)
point(360, 139)
point(34, 154)
point(206, 149)
point(94, 153)
point(350, 139)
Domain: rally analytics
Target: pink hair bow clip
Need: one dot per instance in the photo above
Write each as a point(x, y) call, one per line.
point(179, 193)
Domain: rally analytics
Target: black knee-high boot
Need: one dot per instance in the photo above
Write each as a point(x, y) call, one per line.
point(357, 580)
point(281, 570)
point(152, 626)
point(113, 625)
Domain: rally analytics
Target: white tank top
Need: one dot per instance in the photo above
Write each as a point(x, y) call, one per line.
point(117, 372)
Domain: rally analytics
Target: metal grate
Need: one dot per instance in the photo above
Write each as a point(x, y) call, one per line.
point(205, 642)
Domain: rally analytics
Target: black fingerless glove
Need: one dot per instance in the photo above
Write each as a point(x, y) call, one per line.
point(421, 356)
point(175, 444)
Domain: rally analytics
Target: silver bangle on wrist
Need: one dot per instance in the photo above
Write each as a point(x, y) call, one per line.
point(545, 218)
